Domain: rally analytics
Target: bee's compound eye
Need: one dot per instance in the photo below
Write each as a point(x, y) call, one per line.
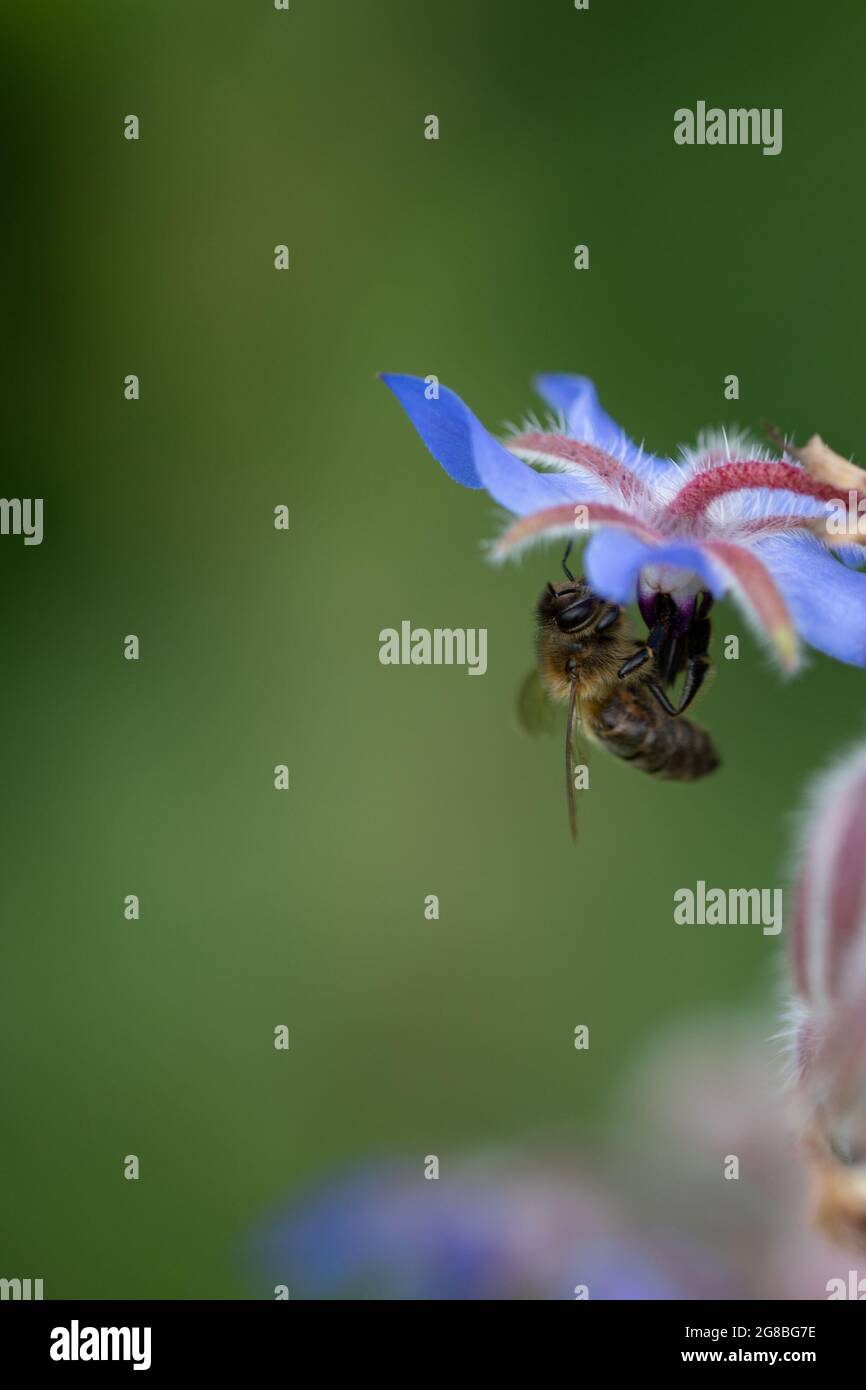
point(576, 614)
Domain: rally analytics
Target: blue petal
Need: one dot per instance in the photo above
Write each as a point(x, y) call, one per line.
point(827, 599)
point(445, 425)
point(614, 559)
point(576, 398)
point(471, 455)
point(851, 555)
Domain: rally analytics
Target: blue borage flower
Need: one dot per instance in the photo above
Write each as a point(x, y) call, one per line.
point(504, 1226)
point(727, 516)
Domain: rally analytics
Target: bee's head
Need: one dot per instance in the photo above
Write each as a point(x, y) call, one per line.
point(572, 607)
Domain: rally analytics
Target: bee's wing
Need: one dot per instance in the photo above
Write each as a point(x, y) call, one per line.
point(536, 712)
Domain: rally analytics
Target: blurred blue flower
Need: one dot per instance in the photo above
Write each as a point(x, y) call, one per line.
point(495, 1227)
point(647, 1215)
point(727, 516)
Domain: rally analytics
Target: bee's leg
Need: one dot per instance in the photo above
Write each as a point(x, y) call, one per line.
point(566, 571)
point(704, 606)
point(698, 661)
point(635, 661)
point(655, 689)
point(648, 651)
point(664, 639)
point(697, 670)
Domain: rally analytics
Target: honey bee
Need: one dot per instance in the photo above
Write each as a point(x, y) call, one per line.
point(589, 658)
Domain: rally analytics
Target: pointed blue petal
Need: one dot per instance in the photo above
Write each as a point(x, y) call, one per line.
point(471, 455)
point(444, 424)
point(576, 399)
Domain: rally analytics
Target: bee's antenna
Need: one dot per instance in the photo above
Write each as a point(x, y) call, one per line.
point(566, 571)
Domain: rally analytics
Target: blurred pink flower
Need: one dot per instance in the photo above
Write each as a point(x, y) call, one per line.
point(828, 1015)
point(705, 1091)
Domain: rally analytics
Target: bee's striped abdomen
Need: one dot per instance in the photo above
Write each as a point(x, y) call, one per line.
point(636, 729)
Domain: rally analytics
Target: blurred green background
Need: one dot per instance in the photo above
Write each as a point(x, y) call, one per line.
point(259, 647)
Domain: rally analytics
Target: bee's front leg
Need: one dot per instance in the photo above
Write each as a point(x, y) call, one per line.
point(635, 661)
point(648, 651)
